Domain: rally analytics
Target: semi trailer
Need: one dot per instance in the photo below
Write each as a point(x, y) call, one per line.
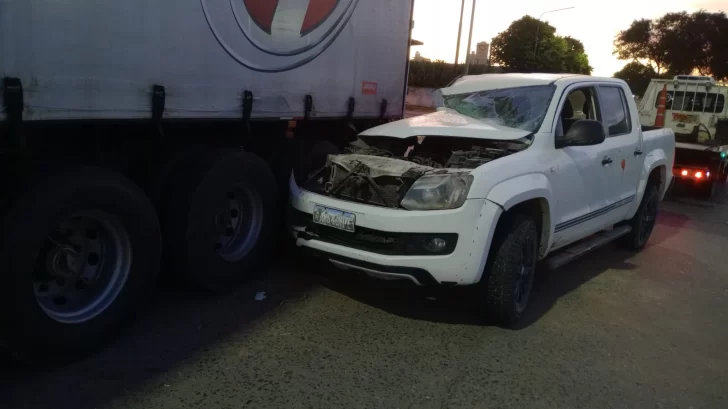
point(141, 137)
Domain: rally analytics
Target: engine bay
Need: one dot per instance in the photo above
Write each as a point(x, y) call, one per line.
point(380, 170)
point(436, 151)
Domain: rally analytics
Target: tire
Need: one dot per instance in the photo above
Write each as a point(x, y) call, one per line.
point(313, 159)
point(51, 309)
point(643, 222)
point(723, 175)
point(506, 290)
point(219, 220)
point(705, 190)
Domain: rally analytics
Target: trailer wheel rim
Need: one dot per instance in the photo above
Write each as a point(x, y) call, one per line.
point(83, 266)
point(239, 223)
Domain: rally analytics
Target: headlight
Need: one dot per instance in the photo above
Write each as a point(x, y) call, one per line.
point(438, 192)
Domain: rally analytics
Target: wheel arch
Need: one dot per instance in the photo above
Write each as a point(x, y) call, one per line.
point(529, 194)
point(657, 170)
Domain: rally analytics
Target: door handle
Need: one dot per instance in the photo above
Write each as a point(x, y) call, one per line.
point(638, 152)
point(606, 161)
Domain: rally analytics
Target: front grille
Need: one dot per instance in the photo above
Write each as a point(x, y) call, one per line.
point(374, 241)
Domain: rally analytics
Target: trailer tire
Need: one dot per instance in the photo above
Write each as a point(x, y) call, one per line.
point(311, 159)
point(80, 224)
point(219, 219)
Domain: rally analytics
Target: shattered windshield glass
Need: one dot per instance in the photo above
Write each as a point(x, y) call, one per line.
point(520, 107)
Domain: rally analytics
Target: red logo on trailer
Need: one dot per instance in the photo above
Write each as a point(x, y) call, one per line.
point(263, 12)
point(368, 88)
point(277, 35)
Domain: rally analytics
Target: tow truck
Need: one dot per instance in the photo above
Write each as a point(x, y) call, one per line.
point(694, 108)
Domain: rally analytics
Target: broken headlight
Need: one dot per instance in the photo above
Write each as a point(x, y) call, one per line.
point(438, 192)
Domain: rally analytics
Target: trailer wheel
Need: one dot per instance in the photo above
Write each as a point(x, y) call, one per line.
point(81, 253)
point(219, 219)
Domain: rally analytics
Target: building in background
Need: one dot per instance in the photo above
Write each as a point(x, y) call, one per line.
point(419, 57)
point(481, 55)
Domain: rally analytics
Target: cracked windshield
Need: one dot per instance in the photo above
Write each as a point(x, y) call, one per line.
point(363, 204)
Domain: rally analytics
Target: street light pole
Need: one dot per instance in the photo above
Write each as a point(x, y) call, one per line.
point(470, 38)
point(538, 27)
point(460, 30)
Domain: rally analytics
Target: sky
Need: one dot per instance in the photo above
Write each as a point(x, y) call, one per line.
point(594, 23)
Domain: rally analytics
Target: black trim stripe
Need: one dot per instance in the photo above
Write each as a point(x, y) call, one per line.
point(592, 215)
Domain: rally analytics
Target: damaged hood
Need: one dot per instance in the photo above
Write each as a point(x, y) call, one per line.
point(446, 122)
point(377, 165)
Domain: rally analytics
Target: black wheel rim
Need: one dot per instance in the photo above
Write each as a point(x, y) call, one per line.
point(647, 221)
point(238, 223)
point(525, 274)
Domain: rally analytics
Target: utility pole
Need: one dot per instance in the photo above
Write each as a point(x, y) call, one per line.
point(538, 27)
point(470, 39)
point(460, 30)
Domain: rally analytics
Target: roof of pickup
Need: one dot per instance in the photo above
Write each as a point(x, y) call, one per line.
point(473, 83)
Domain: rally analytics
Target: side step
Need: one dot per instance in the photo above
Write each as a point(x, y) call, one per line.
point(577, 250)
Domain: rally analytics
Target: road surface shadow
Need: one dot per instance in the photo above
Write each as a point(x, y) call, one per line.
point(458, 305)
point(178, 326)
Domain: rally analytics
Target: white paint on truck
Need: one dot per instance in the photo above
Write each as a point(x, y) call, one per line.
point(585, 188)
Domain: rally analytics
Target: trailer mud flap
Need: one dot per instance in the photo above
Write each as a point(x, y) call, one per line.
point(14, 105)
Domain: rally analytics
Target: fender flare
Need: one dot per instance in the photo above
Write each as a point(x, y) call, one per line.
point(653, 160)
point(519, 189)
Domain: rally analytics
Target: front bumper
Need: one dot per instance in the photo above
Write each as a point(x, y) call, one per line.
point(472, 224)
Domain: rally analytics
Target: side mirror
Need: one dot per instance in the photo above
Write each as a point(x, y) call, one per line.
point(584, 132)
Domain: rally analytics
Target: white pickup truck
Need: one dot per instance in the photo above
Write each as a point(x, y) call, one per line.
point(512, 169)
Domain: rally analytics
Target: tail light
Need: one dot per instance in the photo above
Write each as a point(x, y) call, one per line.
point(694, 174)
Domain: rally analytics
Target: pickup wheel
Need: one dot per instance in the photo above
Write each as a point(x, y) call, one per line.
point(643, 221)
point(219, 219)
point(510, 271)
point(81, 253)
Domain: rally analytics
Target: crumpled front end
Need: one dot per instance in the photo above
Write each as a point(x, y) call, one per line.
point(368, 179)
point(381, 171)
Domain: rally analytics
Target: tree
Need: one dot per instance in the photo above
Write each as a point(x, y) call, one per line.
point(678, 43)
point(516, 49)
point(637, 76)
point(641, 42)
point(576, 60)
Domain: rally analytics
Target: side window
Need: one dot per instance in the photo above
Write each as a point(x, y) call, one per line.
point(579, 104)
point(614, 110)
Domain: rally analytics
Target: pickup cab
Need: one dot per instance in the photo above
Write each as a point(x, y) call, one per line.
point(511, 170)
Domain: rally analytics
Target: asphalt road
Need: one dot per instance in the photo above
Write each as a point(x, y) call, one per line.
point(613, 330)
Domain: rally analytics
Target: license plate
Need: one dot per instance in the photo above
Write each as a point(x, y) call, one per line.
point(335, 218)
